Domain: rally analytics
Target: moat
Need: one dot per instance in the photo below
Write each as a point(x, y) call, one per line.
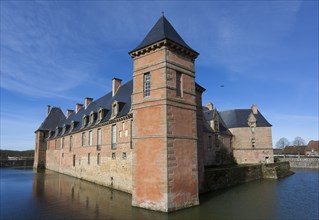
point(26, 194)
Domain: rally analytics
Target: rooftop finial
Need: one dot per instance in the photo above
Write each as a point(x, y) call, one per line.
point(162, 13)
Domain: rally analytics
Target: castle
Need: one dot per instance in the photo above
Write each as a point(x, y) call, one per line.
point(151, 136)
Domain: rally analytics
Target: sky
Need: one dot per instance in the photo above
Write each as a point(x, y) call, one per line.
point(251, 52)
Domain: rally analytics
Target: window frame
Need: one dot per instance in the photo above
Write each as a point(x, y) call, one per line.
point(147, 84)
point(179, 84)
point(62, 143)
point(113, 136)
point(70, 144)
point(83, 139)
point(90, 137)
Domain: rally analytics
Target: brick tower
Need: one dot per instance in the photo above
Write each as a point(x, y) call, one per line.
point(165, 170)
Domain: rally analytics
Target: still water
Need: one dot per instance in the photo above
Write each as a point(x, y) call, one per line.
point(29, 195)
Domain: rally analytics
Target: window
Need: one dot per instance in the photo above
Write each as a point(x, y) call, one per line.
point(253, 142)
point(74, 160)
point(115, 108)
point(92, 117)
point(98, 159)
point(209, 141)
point(84, 120)
point(70, 142)
point(216, 125)
point(55, 144)
point(113, 156)
point(64, 129)
point(101, 114)
point(99, 138)
point(147, 84)
point(216, 140)
point(252, 127)
point(62, 143)
point(73, 125)
point(113, 136)
point(57, 129)
point(89, 158)
point(90, 138)
point(178, 84)
point(124, 155)
point(83, 138)
point(62, 155)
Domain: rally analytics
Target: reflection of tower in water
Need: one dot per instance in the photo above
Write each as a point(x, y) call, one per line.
point(57, 191)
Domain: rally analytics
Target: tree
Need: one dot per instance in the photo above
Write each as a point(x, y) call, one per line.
point(282, 143)
point(298, 141)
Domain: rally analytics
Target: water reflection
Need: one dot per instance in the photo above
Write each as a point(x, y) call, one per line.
point(70, 197)
point(29, 195)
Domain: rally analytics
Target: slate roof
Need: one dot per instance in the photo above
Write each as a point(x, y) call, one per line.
point(208, 115)
point(54, 117)
point(123, 96)
point(238, 118)
point(162, 30)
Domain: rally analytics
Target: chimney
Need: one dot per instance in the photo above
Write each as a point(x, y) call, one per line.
point(49, 108)
point(116, 83)
point(87, 101)
point(77, 107)
point(69, 112)
point(210, 106)
point(254, 109)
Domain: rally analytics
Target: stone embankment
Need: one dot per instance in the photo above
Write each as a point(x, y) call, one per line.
point(218, 178)
point(301, 162)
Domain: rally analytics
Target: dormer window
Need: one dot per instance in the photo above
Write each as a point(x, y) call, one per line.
point(252, 127)
point(101, 114)
point(92, 117)
point(216, 125)
point(115, 109)
point(63, 129)
point(57, 129)
point(252, 122)
point(73, 125)
point(84, 121)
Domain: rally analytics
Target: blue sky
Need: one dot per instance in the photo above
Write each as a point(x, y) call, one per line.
point(58, 52)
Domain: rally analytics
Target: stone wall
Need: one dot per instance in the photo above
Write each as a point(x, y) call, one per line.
point(302, 162)
point(224, 177)
point(276, 170)
point(245, 153)
point(219, 178)
point(100, 164)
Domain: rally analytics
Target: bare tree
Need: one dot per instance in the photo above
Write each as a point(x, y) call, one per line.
point(298, 141)
point(282, 143)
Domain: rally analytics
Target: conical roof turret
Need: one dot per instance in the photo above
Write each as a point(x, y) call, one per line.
point(160, 31)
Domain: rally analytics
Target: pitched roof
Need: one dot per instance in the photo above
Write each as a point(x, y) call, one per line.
point(294, 150)
point(208, 116)
point(238, 118)
point(162, 30)
point(53, 119)
point(122, 96)
point(313, 145)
